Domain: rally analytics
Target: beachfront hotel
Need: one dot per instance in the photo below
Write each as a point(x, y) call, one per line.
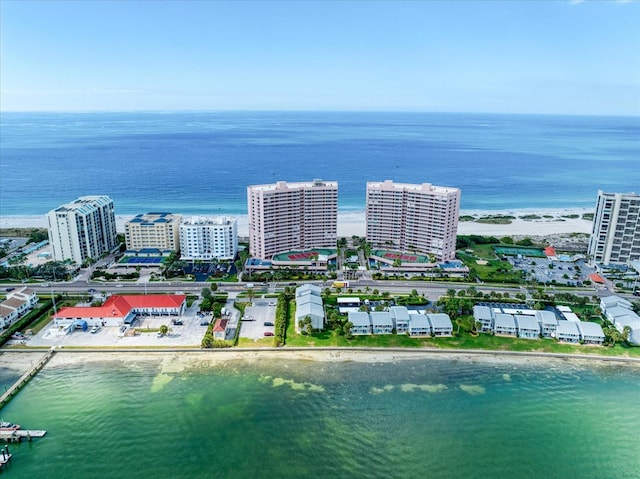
point(153, 230)
point(84, 228)
point(615, 236)
point(206, 238)
point(292, 216)
point(413, 217)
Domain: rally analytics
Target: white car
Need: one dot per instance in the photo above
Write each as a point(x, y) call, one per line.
point(95, 329)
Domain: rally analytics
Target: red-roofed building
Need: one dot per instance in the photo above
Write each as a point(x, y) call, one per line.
point(119, 310)
point(220, 329)
point(550, 252)
point(596, 278)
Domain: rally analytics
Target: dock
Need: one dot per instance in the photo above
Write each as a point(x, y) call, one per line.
point(5, 456)
point(6, 397)
point(20, 434)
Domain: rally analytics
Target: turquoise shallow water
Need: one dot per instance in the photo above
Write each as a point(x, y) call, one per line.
point(434, 418)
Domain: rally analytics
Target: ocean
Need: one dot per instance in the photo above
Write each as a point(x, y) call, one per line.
point(436, 418)
point(202, 162)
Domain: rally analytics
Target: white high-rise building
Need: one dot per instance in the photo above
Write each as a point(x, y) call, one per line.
point(413, 217)
point(205, 238)
point(153, 230)
point(84, 228)
point(292, 216)
point(615, 235)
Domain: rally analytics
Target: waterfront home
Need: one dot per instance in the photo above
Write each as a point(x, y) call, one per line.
point(400, 318)
point(548, 323)
point(568, 331)
point(361, 322)
point(612, 301)
point(220, 329)
point(7, 316)
point(504, 325)
point(440, 324)
point(590, 333)
point(26, 294)
point(622, 317)
point(309, 305)
point(419, 325)
point(120, 310)
point(528, 326)
point(381, 322)
point(484, 316)
point(346, 304)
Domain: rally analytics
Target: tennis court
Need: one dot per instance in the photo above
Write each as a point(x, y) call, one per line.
point(308, 255)
point(404, 257)
point(518, 250)
point(141, 260)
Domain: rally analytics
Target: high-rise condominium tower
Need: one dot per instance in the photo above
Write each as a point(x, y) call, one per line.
point(615, 236)
point(204, 238)
point(413, 217)
point(288, 216)
point(84, 228)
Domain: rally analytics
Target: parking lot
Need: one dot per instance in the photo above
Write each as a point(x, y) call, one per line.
point(546, 271)
point(255, 317)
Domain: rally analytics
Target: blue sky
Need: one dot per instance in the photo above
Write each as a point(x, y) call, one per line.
point(557, 57)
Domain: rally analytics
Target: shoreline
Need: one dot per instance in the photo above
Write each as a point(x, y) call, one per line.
point(353, 222)
point(184, 356)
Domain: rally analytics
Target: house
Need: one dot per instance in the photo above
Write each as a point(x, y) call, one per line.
point(361, 322)
point(568, 331)
point(120, 310)
point(381, 322)
point(25, 294)
point(548, 323)
point(484, 316)
point(220, 329)
point(400, 318)
point(504, 325)
point(440, 324)
point(20, 306)
point(310, 309)
point(591, 333)
point(308, 289)
point(7, 316)
point(607, 302)
point(527, 326)
point(419, 325)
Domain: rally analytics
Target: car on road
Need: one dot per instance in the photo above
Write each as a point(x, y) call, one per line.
point(268, 333)
point(95, 329)
point(118, 286)
point(272, 303)
point(9, 289)
point(268, 323)
point(176, 322)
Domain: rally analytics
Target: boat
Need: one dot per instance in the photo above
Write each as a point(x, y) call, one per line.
point(7, 426)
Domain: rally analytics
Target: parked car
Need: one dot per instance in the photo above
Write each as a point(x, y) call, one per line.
point(268, 323)
point(177, 322)
point(268, 333)
point(272, 303)
point(95, 329)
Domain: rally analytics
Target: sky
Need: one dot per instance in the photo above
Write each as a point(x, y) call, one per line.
point(541, 57)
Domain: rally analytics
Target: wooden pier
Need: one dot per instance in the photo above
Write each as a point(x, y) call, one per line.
point(6, 397)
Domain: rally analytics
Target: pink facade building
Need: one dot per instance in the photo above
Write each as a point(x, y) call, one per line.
point(412, 217)
point(292, 216)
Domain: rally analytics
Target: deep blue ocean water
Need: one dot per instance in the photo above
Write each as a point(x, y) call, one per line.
point(202, 162)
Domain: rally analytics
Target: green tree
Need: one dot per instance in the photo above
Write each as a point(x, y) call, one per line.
point(347, 329)
point(164, 329)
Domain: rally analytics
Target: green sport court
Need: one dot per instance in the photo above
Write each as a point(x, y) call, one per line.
point(519, 250)
point(307, 255)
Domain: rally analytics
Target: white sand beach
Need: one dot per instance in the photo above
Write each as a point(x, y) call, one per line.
point(552, 221)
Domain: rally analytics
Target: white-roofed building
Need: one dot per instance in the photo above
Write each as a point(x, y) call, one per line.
point(568, 331)
point(309, 304)
point(548, 323)
point(381, 322)
point(419, 325)
point(400, 318)
point(590, 333)
point(308, 288)
point(361, 322)
point(346, 304)
point(440, 324)
point(504, 325)
point(612, 301)
point(484, 315)
point(573, 317)
point(528, 326)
